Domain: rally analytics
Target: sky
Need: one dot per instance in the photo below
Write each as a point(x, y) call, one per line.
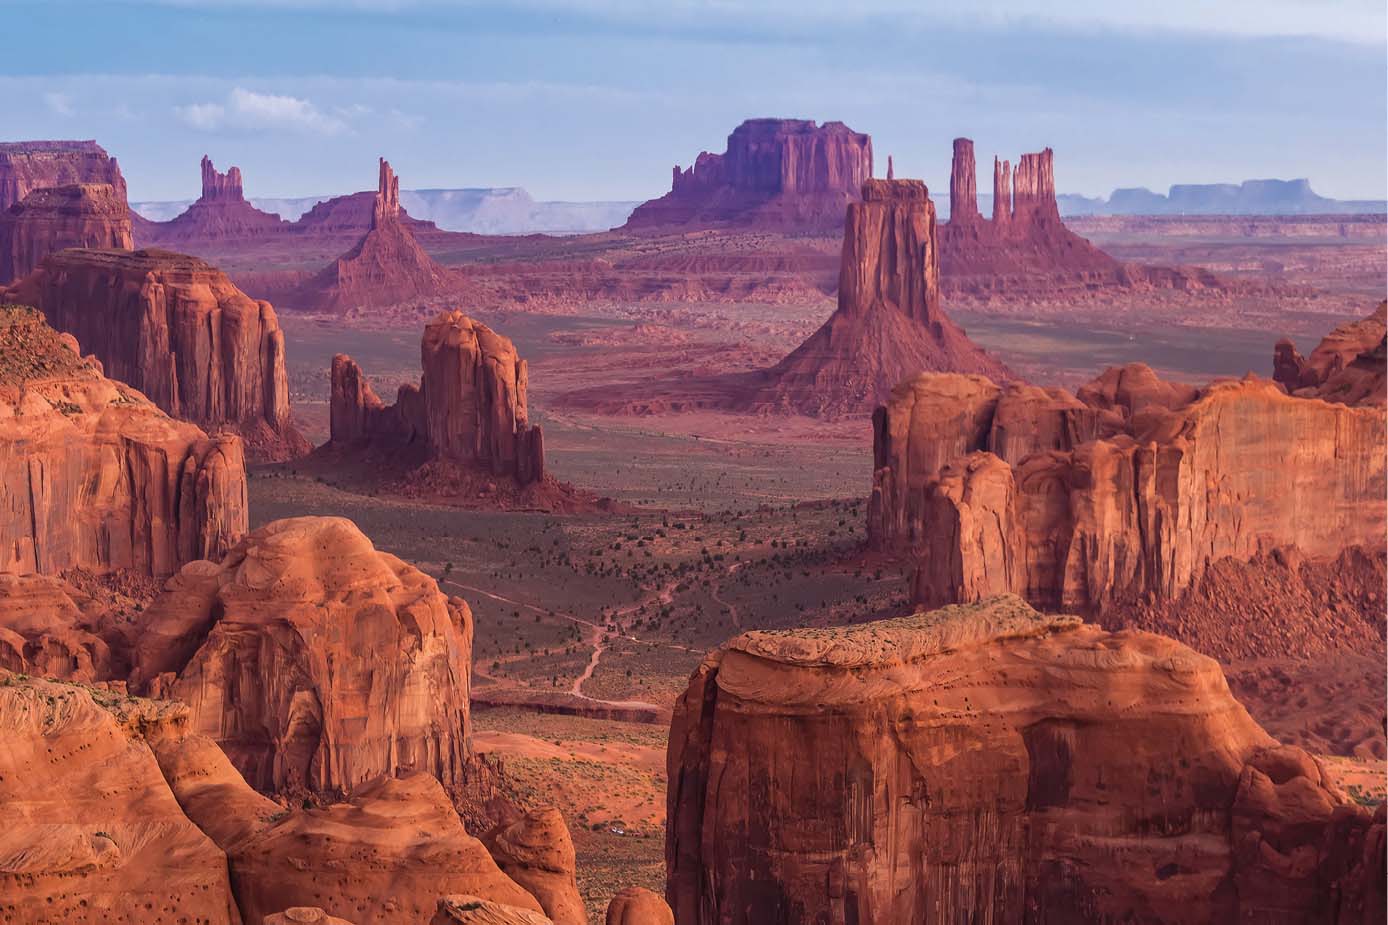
point(597, 99)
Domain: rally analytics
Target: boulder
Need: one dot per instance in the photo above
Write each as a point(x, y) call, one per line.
point(638, 906)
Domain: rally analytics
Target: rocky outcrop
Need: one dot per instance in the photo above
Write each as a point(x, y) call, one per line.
point(316, 662)
point(95, 474)
point(92, 833)
point(535, 851)
point(221, 213)
point(474, 910)
point(470, 406)
point(787, 174)
point(1346, 367)
point(304, 915)
point(385, 267)
point(637, 906)
point(178, 330)
point(1131, 489)
point(51, 629)
point(988, 763)
point(29, 165)
point(889, 324)
point(52, 218)
point(963, 185)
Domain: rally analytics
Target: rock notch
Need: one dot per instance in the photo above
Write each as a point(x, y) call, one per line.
point(29, 165)
point(178, 330)
point(97, 475)
point(776, 173)
point(52, 218)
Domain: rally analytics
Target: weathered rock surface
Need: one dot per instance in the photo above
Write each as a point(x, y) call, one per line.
point(52, 218)
point(92, 834)
point(1131, 489)
point(29, 165)
point(1347, 366)
point(51, 629)
point(386, 267)
point(473, 910)
point(535, 851)
point(776, 173)
point(95, 475)
point(988, 763)
point(221, 213)
point(638, 906)
point(304, 915)
point(178, 330)
point(470, 407)
point(315, 661)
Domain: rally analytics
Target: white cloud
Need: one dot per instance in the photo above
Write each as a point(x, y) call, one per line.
point(248, 109)
point(58, 103)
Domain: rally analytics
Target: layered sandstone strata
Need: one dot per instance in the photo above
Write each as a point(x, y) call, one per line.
point(889, 324)
point(315, 661)
point(776, 173)
point(385, 267)
point(95, 474)
point(469, 408)
point(178, 330)
point(29, 165)
point(1133, 488)
point(220, 213)
point(52, 218)
point(1347, 366)
point(988, 763)
point(51, 629)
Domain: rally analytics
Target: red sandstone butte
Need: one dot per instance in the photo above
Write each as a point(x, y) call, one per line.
point(95, 475)
point(989, 763)
point(178, 330)
point(776, 173)
point(385, 267)
point(220, 213)
point(52, 218)
point(29, 165)
point(1347, 366)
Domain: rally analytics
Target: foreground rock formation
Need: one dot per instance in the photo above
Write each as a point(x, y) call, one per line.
point(220, 213)
point(535, 850)
point(1346, 367)
point(1131, 488)
point(469, 408)
point(29, 165)
point(785, 174)
point(386, 267)
point(50, 219)
point(175, 328)
point(988, 763)
point(316, 662)
point(95, 475)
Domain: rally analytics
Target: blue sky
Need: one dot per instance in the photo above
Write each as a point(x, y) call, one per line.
point(596, 99)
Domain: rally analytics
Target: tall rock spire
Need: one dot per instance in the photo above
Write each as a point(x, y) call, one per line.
point(387, 196)
point(891, 169)
point(963, 187)
point(1033, 198)
point(1002, 192)
point(220, 187)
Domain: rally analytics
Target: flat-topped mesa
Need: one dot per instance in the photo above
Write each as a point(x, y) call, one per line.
point(29, 165)
point(963, 186)
point(178, 330)
point(776, 173)
point(1088, 501)
point(387, 205)
point(469, 408)
point(220, 187)
point(890, 260)
point(96, 475)
point(988, 763)
point(52, 218)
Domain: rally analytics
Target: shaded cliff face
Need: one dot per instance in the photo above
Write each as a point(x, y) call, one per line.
point(98, 475)
point(1133, 488)
point(50, 219)
point(316, 662)
point(178, 330)
point(469, 408)
point(221, 213)
point(988, 763)
point(29, 165)
point(1347, 366)
point(889, 323)
point(776, 173)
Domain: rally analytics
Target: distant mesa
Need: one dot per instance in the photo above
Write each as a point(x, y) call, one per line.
point(786, 174)
point(1251, 197)
point(220, 214)
point(29, 165)
point(52, 218)
point(178, 330)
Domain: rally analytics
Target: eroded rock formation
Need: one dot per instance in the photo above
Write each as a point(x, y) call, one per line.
point(1347, 366)
point(535, 850)
point(52, 218)
point(178, 330)
point(51, 629)
point(637, 906)
point(315, 661)
point(95, 474)
point(386, 267)
point(29, 165)
point(470, 406)
point(776, 173)
point(988, 763)
point(221, 213)
point(1134, 487)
